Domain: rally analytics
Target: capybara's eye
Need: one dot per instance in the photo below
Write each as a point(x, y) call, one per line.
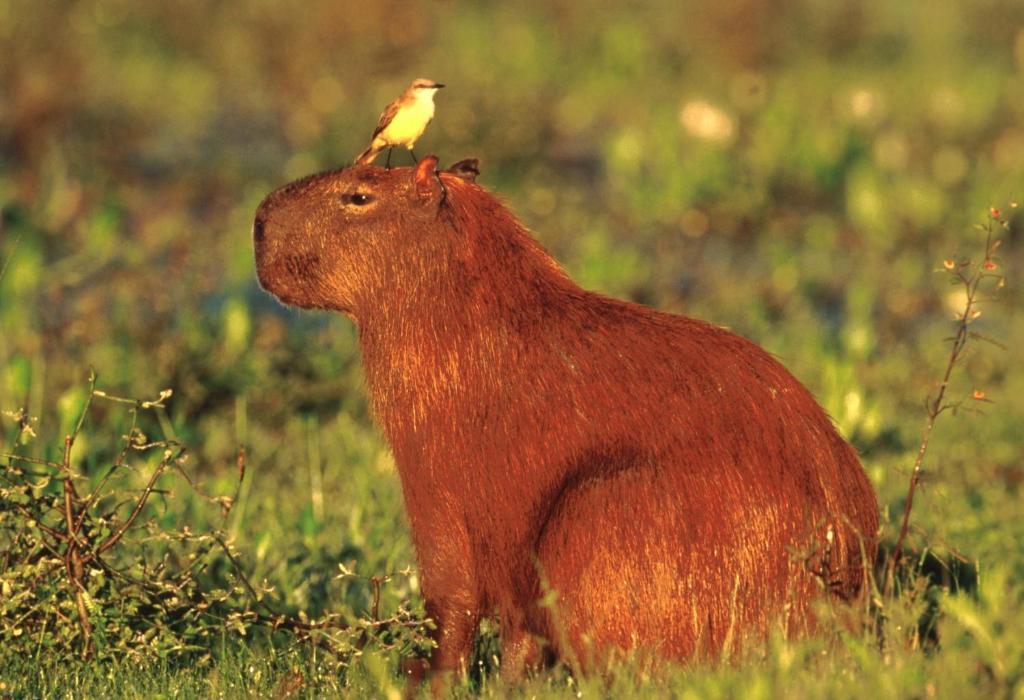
point(357, 198)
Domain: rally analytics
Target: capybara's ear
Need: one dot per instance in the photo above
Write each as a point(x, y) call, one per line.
point(426, 182)
point(468, 169)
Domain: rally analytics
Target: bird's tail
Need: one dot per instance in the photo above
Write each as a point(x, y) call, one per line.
point(367, 156)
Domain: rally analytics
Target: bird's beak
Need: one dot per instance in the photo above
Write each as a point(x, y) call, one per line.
point(438, 85)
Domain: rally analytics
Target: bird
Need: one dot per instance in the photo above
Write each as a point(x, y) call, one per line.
point(403, 121)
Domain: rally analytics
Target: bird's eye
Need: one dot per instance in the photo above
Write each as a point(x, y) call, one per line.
point(359, 199)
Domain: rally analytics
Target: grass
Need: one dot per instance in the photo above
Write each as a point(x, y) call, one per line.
point(797, 175)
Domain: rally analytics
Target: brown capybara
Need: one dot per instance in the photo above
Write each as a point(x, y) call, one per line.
point(604, 478)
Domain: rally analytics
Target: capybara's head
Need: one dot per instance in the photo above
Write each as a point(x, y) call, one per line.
point(340, 240)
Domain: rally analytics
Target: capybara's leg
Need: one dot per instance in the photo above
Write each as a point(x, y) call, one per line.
point(456, 624)
point(449, 586)
point(521, 652)
point(620, 567)
point(634, 575)
point(414, 670)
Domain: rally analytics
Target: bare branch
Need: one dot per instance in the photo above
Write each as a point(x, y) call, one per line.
point(140, 504)
point(970, 276)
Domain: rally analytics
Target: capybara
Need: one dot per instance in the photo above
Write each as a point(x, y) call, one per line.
point(605, 479)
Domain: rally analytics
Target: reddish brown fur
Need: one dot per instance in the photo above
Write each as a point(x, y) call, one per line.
point(670, 481)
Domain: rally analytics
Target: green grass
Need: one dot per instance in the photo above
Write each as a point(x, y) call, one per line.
point(846, 667)
point(797, 175)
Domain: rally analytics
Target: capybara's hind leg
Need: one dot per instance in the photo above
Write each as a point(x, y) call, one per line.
point(618, 574)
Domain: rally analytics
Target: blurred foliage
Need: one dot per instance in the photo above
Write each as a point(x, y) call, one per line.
point(796, 173)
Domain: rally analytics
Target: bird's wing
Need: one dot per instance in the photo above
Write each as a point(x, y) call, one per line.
point(386, 116)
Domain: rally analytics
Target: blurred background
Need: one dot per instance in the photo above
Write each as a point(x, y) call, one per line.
point(794, 171)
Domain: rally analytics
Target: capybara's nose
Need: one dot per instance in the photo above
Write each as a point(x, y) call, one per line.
point(257, 229)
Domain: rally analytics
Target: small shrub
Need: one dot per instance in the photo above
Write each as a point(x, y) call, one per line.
point(89, 567)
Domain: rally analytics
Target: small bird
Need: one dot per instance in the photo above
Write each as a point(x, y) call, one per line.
point(403, 121)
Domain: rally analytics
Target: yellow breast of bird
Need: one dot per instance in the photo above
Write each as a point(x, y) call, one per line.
point(409, 123)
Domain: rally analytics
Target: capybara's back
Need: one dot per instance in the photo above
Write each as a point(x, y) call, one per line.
point(666, 486)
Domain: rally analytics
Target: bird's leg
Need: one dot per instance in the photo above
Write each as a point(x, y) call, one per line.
point(387, 166)
point(414, 158)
